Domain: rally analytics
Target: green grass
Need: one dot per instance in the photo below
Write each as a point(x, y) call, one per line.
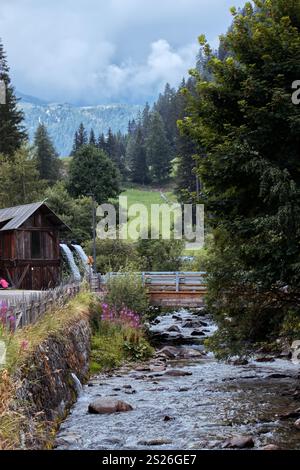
point(147, 197)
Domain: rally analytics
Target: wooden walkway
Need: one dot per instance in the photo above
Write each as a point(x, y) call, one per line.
point(172, 289)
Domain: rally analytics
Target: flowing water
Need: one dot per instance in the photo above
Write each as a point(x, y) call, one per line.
point(215, 401)
point(70, 258)
point(83, 257)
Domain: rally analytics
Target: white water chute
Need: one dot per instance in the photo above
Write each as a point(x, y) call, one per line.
point(73, 266)
point(83, 256)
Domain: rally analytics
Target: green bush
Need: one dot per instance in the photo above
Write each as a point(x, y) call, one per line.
point(113, 255)
point(113, 343)
point(160, 255)
point(127, 290)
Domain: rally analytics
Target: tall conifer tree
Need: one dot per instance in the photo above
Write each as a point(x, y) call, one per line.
point(12, 133)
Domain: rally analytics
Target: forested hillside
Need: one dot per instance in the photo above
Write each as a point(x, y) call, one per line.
point(62, 120)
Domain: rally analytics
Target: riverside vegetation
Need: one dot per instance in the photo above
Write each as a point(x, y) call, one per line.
point(116, 335)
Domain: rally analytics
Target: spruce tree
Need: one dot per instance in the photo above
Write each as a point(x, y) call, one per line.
point(166, 107)
point(92, 138)
point(48, 163)
point(82, 136)
point(101, 144)
point(158, 150)
point(146, 116)
point(12, 133)
point(136, 154)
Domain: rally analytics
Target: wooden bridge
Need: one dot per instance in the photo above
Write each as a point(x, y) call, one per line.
point(172, 289)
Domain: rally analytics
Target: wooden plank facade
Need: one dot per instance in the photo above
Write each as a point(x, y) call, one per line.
point(29, 249)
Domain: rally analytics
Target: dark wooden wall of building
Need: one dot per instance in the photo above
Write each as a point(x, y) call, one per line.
point(17, 261)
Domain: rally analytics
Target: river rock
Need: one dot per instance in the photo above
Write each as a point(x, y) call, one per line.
point(278, 376)
point(296, 352)
point(265, 359)
point(173, 329)
point(290, 414)
point(157, 368)
point(169, 351)
point(194, 324)
point(168, 418)
point(189, 353)
point(177, 317)
point(197, 333)
point(67, 439)
point(297, 424)
point(239, 442)
point(178, 373)
point(270, 447)
point(240, 362)
point(108, 405)
point(155, 442)
point(143, 369)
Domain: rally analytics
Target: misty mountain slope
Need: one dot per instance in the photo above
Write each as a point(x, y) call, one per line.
point(62, 120)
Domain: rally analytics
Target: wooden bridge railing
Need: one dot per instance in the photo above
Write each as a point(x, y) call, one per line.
point(171, 288)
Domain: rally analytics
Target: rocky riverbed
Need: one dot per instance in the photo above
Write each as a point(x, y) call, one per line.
point(184, 398)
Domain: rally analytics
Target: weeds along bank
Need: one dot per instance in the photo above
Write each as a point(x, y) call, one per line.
point(45, 362)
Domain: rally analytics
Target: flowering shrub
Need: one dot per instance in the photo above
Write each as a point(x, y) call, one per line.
point(7, 320)
point(124, 317)
point(118, 336)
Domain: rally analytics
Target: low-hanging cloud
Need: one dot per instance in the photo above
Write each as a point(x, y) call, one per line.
point(97, 51)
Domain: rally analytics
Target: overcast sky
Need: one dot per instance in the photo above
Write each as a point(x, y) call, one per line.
point(106, 51)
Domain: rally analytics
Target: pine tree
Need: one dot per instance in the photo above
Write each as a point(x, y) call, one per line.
point(92, 138)
point(80, 139)
point(146, 117)
point(136, 154)
point(12, 133)
point(166, 107)
point(101, 144)
point(48, 163)
point(82, 136)
point(111, 145)
point(75, 144)
point(158, 150)
point(132, 126)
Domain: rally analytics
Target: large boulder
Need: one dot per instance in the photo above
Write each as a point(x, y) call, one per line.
point(108, 405)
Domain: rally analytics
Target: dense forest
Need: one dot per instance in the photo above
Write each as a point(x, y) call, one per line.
point(228, 137)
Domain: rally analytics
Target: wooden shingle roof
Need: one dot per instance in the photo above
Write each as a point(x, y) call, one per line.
point(13, 218)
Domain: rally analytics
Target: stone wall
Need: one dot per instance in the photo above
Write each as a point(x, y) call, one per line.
point(48, 380)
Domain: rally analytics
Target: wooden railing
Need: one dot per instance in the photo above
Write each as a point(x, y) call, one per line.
point(22, 310)
point(171, 288)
